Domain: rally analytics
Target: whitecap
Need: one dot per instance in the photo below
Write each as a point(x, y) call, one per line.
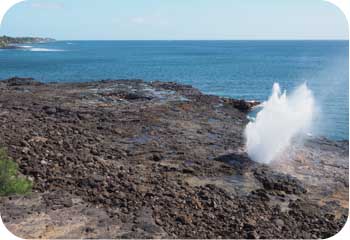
point(25, 46)
point(45, 50)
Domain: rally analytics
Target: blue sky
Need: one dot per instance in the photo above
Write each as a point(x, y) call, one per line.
point(176, 19)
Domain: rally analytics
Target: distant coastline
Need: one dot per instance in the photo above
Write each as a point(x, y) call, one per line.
point(7, 42)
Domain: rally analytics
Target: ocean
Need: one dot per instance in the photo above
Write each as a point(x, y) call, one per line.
point(238, 69)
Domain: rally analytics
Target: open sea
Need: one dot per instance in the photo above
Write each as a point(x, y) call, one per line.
point(238, 69)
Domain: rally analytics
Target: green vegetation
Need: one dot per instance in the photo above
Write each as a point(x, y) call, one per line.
point(10, 182)
point(5, 41)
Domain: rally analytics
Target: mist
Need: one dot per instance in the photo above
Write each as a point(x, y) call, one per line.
point(282, 118)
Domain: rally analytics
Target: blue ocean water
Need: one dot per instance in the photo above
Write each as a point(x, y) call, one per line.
point(239, 69)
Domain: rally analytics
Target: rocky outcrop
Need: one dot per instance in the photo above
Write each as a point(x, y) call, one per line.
point(242, 105)
point(131, 159)
point(10, 42)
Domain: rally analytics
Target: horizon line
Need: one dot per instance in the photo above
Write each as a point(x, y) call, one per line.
point(190, 39)
point(316, 39)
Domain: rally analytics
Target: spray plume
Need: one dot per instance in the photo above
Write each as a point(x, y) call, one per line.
point(282, 118)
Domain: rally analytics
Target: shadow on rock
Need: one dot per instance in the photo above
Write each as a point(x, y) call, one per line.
point(270, 179)
point(240, 161)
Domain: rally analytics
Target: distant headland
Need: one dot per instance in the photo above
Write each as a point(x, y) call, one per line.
point(11, 42)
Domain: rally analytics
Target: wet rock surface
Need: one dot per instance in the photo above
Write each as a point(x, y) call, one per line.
point(130, 159)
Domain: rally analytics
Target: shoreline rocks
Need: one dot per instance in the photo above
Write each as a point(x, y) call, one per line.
point(135, 159)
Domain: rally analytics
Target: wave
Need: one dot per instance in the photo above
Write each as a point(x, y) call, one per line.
point(33, 49)
point(45, 50)
point(25, 46)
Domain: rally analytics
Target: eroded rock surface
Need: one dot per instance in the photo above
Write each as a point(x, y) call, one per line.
point(130, 159)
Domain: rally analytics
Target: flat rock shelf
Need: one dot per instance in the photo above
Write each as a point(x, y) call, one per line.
point(135, 159)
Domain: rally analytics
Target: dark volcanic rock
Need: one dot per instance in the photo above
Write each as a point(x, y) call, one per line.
point(17, 81)
point(279, 181)
point(130, 159)
point(242, 105)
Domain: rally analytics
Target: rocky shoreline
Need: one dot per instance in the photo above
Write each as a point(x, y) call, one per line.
point(135, 159)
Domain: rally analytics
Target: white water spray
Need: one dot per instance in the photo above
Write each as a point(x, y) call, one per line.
point(281, 119)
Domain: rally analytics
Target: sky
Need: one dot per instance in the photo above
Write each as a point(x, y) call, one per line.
point(176, 20)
